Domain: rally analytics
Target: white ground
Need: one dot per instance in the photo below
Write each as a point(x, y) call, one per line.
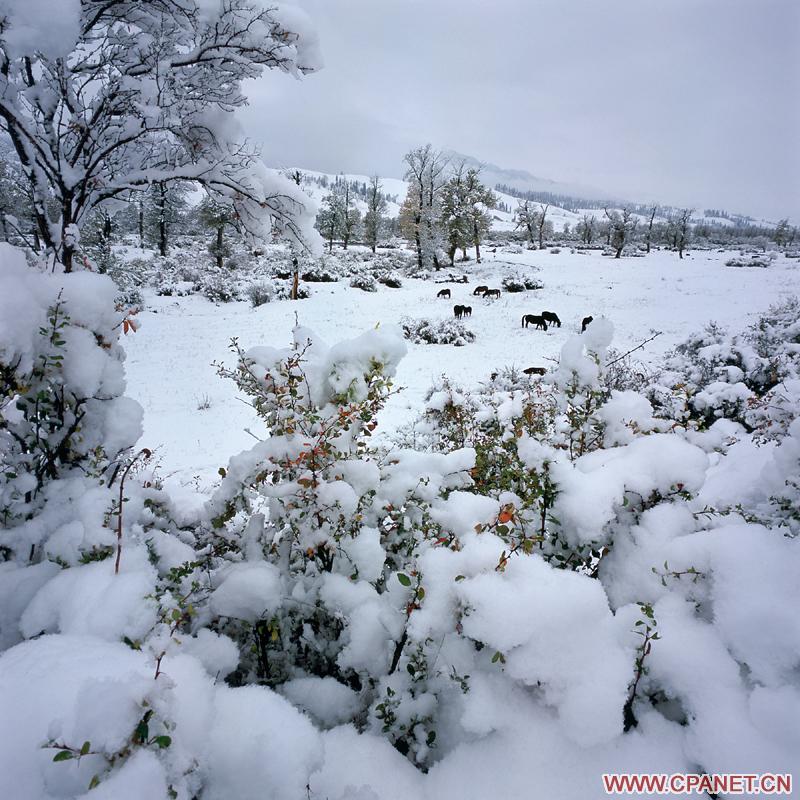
point(169, 358)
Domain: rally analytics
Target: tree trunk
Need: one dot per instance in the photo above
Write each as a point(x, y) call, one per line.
point(418, 240)
point(67, 257)
point(295, 278)
point(219, 246)
point(162, 236)
point(141, 224)
point(477, 245)
point(163, 242)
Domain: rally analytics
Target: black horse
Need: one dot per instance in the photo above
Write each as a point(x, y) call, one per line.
point(552, 317)
point(458, 311)
point(480, 290)
point(534, 319)
point(444, 293)
point(492, 293)
point(585, 323)
point(535, 371)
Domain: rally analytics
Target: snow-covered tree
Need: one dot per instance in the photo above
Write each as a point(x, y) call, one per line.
point(426, 176)
point(375, 217)
point(103, 97)
point(350, 216)
point(784, 233)
point(455, 217)
point(338, 217)
point(679, 229)
point(218, 215)
point(532, 218)
point(648, 237)
point(587, 228)
point(621, 226)
point(164, 207)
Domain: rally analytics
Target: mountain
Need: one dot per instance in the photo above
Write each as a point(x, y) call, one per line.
point(523, 180)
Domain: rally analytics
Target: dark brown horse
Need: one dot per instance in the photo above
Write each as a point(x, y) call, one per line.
point(535, 371)
point(585, 323)
point(492, 293)
point(444, 293)
point(480, 290)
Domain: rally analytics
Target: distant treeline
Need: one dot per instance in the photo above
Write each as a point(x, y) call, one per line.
point(577, 204)
point(359, 188)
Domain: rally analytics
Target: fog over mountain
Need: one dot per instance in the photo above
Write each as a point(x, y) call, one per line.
point(688, 102)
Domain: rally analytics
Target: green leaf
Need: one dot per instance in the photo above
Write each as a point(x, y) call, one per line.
point(502, 529)
point(163, 741)
point(141, 733)
point(496, 657)
point(87, 746)
point(404, 579)
point(94, 782)
point(63, 755)
point(460, 578)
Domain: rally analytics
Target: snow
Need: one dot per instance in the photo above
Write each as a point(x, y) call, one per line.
point(41, 26)
point(181, 337)
point(547, 655)
point(248, 591)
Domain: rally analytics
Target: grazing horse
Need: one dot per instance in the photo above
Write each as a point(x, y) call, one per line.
point(585, 323)
point(466, 311)
point(552, 317)
point(534, 319)
point(480, 290)
point(458, 311)
point(444, 293)
point(535, 371)
point(492, 293)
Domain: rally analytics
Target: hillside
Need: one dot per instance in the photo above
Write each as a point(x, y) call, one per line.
point(316, 185)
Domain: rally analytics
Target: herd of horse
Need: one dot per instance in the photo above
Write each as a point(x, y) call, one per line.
point(539, 321)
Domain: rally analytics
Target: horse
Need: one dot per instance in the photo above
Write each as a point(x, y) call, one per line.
point(534, 319)
point(458, 311)
point(535, 371)
point(551, 317)
point(585, 323)
point(466, 311)
point(492, 293)
point(444, 293)
point(480, 290)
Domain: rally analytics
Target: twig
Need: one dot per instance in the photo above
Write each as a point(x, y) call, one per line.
point(143, 452)
point(634, 349)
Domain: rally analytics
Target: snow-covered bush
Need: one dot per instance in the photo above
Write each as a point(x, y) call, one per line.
point(446, 331)
point(520, 283)
point(389, 278)
point(260, 293)
point(752, 261)
point(319, 273)
point(321, 604)
point(364, 282)
point(62, 410)
point(218, 287)
point(715, 374)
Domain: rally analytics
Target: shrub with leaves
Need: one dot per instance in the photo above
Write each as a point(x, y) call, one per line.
point(447, 331)
point(364, 282)
point(521, 283)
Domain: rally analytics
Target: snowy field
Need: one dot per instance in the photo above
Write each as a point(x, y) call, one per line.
point(170, 358)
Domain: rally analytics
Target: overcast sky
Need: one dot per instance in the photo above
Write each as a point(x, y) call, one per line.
point(691, 102)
